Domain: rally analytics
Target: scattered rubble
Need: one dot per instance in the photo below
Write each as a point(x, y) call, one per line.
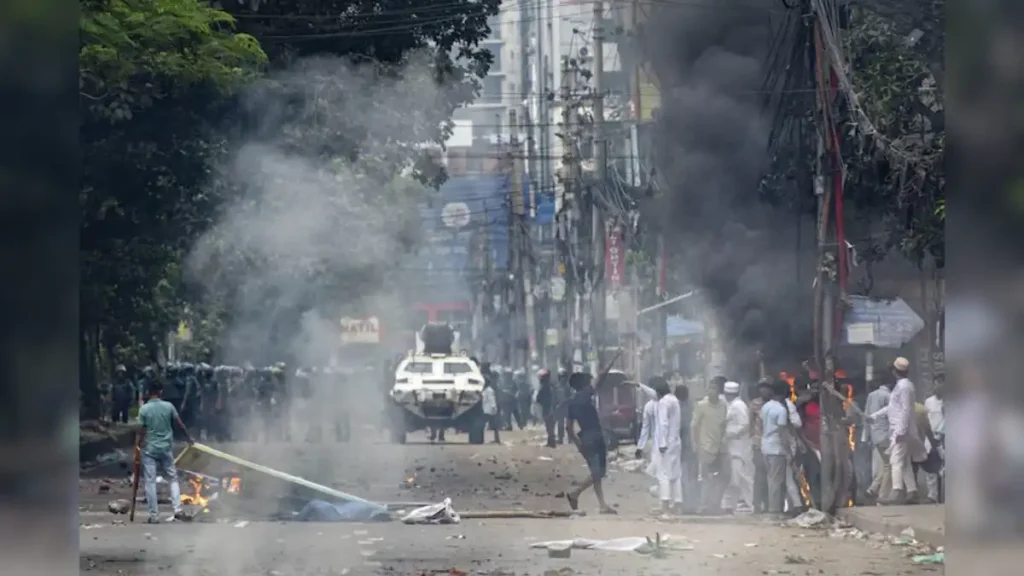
point(810, 519)
point(641, 545)
point(119, 506)
point(441, 513)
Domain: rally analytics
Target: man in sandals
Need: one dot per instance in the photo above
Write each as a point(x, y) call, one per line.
point(589, 441)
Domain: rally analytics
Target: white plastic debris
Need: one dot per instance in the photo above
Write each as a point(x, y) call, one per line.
point(634, 465)
point(810, 519)
point(441, 513)
point(629, 544)
point(241, 524)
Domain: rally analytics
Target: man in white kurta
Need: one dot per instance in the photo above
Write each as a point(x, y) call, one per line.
point(740, 494)
point(645, 443)
point(669, 447)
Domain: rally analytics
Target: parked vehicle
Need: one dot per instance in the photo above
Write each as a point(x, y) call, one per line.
point(617, 406)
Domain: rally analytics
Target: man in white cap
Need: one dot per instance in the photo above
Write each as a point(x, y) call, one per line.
point(740, 494)
point(904, 445)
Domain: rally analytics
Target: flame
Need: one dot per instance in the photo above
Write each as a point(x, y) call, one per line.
point(233, 485)
point(791, 380)
point(196, 498)
point(805, 489)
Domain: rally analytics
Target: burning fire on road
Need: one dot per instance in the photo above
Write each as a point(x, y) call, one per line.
point(203, 489)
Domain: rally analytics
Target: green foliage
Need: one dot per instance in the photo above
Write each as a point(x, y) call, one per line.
point(897, 171)
point(160, 82)
point(154, 75)
point(135, 52)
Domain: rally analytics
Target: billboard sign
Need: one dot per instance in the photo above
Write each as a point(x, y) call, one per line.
point(360, 330)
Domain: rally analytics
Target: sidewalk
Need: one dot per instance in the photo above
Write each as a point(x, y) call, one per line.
point(927, 520)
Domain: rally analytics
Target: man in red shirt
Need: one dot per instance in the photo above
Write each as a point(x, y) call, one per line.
point(810, 414)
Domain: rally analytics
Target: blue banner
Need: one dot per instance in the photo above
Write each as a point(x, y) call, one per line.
point(465, 208)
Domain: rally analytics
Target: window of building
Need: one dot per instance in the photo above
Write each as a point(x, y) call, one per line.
point(496, 64)
point(490, 93)
point(494, 23)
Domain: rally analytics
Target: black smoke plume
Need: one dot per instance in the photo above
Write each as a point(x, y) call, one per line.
point(712, 134)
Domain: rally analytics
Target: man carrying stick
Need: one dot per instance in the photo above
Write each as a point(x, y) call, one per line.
point(589, 440)
point(158, 417)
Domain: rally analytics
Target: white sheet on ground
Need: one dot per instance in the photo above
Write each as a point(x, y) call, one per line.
point(629, 544)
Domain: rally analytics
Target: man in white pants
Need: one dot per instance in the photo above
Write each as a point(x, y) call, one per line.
point(904, 445)
point(645, 443)
point(740, 495)
point(669, 447)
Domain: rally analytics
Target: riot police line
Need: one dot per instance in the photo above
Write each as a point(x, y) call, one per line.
point(239, 403)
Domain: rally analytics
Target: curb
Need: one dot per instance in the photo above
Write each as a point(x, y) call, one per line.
point(892, 527)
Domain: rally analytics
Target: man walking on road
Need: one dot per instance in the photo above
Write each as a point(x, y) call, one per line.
point(589, 441)
point(708, 433)
point(158, 418)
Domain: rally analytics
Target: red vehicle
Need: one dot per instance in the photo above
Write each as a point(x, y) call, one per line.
point(617, 406)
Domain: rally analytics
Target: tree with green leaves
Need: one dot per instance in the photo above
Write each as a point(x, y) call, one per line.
point(172, 90)
point(155, 75)
point(896, 150)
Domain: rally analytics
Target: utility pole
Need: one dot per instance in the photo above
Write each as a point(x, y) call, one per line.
point(516, 240)
point(824, 299)
point(599, 234)
point(569, 221)
point(530, 260)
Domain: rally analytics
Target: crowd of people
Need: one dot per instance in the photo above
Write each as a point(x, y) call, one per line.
point(762, 454)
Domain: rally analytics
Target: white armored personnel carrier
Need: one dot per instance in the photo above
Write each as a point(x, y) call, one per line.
point(435, 387)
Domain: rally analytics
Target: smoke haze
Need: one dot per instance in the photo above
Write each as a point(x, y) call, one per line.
point(712, 142)
point(312, 233)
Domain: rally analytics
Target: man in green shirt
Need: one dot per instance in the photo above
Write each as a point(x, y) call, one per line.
point(707, 430)
point(158, 418)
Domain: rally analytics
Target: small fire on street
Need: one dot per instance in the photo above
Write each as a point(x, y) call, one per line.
point(200, 487)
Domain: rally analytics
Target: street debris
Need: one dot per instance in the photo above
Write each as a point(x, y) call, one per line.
point(936, 558)
point(441, 513)
point(631, 466)
point(638, 544)
point(210, 473)
point(322, 511)
point(560, 550)
point(810, 519)
point(528, 514)
point(119, 506)
point(794, 559)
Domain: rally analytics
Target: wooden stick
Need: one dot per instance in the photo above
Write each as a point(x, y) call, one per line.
point(534, 514)
point(136, 472)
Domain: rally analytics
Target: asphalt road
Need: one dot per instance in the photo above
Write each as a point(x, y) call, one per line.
point(520, 474)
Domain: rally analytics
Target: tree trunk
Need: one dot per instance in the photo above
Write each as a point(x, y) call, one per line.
point(87, 382)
